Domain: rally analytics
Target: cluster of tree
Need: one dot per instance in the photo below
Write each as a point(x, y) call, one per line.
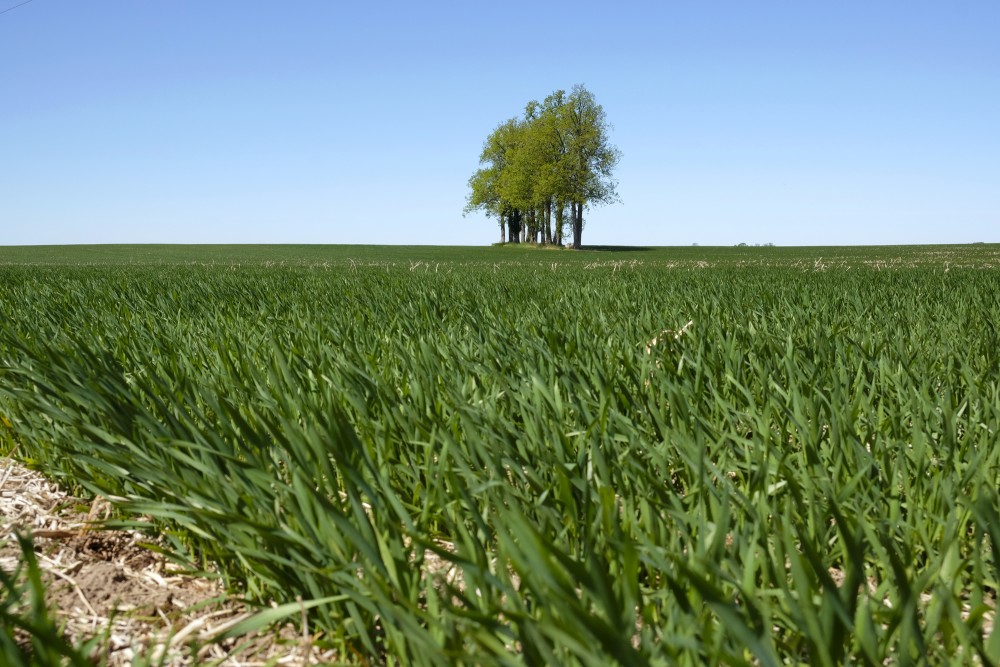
point(539, 172)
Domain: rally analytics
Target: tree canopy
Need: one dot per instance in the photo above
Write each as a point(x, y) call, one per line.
point(555, 158)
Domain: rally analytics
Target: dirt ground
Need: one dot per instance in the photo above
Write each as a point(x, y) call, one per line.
point(107, 581)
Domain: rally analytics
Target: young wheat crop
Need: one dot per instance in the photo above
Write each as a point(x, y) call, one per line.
point(479, 466)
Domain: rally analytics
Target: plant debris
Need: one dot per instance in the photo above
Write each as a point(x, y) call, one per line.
point(103, 582)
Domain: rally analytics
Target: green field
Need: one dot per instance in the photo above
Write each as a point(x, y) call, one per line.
point(978, 255)
point(525, 456)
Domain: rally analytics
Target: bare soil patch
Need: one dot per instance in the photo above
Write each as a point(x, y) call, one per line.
point(109, 582)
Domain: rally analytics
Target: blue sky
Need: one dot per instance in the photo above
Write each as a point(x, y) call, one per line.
point(217, 121)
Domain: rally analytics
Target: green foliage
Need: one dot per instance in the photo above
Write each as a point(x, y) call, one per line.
point(485, 458)
point(558, 154)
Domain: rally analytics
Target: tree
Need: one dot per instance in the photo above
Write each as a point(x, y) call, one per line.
point(491, 186)
point(590, 158)
point(483, 195)
point(557, 156)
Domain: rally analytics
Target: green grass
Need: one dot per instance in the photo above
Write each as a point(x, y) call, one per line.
point(305, 255)
point(476, 455)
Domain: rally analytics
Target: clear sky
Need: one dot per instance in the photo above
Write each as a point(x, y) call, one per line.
point(308, 121)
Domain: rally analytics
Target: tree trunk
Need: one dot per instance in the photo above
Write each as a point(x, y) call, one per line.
point(577, 225)
point(503, 236)
point(547, 229)
point(560, 213)
point(513, 227)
